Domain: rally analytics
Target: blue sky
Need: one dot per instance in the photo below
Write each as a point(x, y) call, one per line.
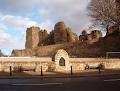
point(17, 15)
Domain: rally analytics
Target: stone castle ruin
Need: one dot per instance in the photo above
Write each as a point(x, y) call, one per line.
point(90, 38)
point(36, 37)
point(40, 43)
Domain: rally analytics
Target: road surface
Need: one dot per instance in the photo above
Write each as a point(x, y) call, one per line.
point(98, 83)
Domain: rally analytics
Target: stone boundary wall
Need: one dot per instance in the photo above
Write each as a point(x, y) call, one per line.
point(80, 63)
point(25, 62)
point(25, 59)
point(47, 64)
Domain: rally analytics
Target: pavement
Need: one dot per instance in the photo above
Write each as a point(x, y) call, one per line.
point(97, 83)
point(85, 73)
point(88, 80)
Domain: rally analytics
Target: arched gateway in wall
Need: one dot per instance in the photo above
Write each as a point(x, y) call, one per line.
point(62, 61)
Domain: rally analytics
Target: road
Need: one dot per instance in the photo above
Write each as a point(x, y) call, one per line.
point(98, 83)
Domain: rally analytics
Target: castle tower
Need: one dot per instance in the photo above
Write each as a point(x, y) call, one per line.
point(32, 37)
point(60, 32)
point(63, 34)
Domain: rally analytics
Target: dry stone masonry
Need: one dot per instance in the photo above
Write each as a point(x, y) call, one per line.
point(61, 62)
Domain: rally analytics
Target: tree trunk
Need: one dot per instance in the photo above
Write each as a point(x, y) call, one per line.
point(107, 30)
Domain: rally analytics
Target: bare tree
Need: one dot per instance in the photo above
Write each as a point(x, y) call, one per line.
point(118, 9)
point(103, 12)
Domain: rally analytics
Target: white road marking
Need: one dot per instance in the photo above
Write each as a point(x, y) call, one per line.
point(110, 80)
point(37, 84)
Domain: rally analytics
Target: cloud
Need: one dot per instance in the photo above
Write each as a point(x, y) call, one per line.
point(9, 42)
point(16, 21)
point(73, 12)
point(6, 40)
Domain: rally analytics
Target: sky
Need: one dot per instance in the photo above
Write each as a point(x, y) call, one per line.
point(17, 15)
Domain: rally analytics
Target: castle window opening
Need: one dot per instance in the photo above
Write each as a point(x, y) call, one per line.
point(62, 62)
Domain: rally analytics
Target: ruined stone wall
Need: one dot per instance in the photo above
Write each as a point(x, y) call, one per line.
point(39, 51)
point(22, 53)
point(48, 50)
point(90, 38)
